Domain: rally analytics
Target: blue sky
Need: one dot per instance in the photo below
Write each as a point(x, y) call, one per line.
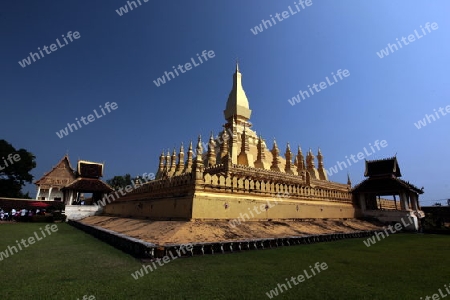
point(117, 58)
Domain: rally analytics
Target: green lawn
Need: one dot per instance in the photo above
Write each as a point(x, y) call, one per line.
point(69, 264)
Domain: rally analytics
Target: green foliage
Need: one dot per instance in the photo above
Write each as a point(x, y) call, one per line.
point(118, 182)
point(435, 223)
point(24, 196)
point(13, 176)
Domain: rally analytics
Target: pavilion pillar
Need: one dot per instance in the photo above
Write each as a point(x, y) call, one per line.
point(410, 201)
point(70, 197)
point(38, 193)
point(395, 202)
point(414, 202)
point(404, 201)
point(416, 196)
point(362, 201)
point(49, 193)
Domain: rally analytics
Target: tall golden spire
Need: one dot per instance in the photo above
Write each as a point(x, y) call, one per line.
point(320, 168)
point(237, 104)
point(244, 157)
point(199, 150)
point(198, 162)
point(300, 161)
point(161, 166)
point(180, 166)
point(288, 155)
point(311, 166)
point(167, 162)
point(261, 156)
point(310, 160)
point(173, 162)
point(275, 161)
point(224, 147)
point(319, 159)
point(261, 149)
point(211, 156)
point(189, 162)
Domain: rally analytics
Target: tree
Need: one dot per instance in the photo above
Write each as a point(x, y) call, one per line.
point(118, 182)
point(15, 167)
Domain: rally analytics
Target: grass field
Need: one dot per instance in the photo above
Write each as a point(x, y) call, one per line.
point(69, 264)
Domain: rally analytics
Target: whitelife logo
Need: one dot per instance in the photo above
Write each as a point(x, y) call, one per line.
point(263, 208)
point(373, 240)
point(187, 67)
point(431, 118)
point(87, 297)
point(411, 38)
point(360, 156)
point(436, 296)
point(165, 260)
point(124, 9)
point(108, 198)
point(323, 85)
point(10, 158)
point(284, 15)
point(90, 118)
point(27, 61)
point(31, 240)
point(318, 267)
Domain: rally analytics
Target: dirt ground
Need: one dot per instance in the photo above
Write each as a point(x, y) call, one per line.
point(168, 232)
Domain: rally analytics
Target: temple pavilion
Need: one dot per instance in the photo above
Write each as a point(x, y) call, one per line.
point(234, 173)
point(63, 183)
point(383, 179)
point(49, 186)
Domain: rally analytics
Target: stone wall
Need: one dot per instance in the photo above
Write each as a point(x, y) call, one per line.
point(256, 207)
point(176, 208)
point(162, 199)
point(244, 192)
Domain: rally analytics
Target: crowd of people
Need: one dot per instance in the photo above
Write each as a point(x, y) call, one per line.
point(21, 214)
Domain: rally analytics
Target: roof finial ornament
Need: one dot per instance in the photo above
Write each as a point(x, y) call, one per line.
point(237, 64)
